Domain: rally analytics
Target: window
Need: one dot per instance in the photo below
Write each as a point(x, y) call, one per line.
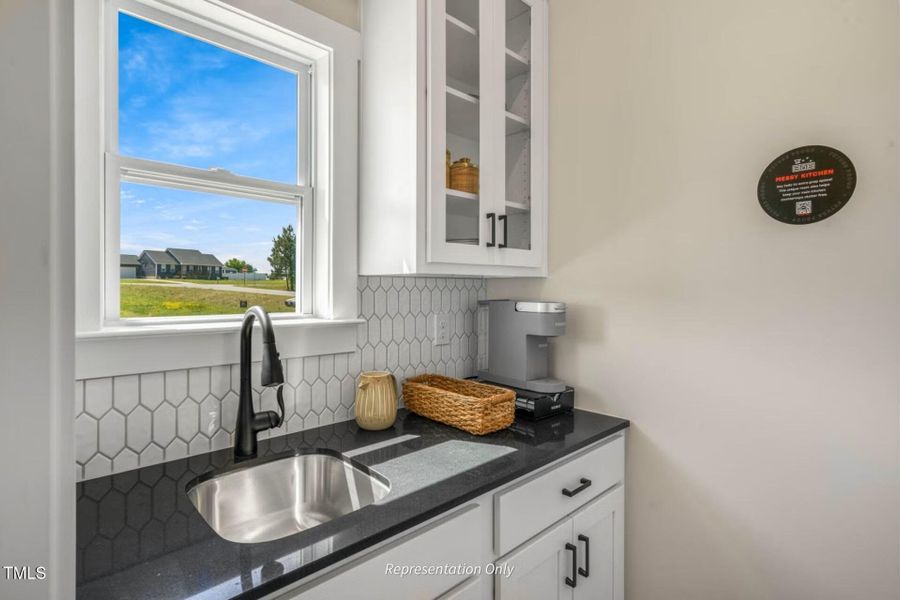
point(208, 195)
point(162, 193)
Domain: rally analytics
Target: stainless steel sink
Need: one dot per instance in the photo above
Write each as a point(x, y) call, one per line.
point(281, 497)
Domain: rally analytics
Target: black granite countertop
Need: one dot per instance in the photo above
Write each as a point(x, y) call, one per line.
point(139, 537)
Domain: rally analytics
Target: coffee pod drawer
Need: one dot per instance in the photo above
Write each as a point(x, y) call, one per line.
point(532, 505)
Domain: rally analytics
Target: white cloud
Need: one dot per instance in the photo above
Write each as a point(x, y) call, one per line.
point(192, 134)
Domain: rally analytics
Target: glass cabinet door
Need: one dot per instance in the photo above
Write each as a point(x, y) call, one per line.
point(460, 201)
point(486, 134)
point(523, 128)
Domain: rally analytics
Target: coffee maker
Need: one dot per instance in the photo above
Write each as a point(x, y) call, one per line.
point(515, 353)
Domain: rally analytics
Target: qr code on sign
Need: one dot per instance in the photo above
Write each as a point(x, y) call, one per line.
point(804, 207)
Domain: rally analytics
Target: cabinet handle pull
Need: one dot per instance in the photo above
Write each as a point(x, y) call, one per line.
point(586, 571)
point(493, 218)
point(585, 483)
point(573, 580)
point(505, 232)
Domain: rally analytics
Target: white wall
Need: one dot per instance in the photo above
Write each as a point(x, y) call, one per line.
point(37, 504)
point(757, 360)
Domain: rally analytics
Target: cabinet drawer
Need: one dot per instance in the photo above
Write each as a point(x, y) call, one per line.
point(532, 505)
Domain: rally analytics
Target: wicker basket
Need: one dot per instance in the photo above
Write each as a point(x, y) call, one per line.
point(473, 407)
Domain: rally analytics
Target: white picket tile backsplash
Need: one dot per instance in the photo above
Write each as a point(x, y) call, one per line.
point(125, 422)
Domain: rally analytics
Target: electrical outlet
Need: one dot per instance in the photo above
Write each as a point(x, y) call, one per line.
point(441, 330)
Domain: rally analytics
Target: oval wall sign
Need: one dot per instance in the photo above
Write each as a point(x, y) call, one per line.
point(806, 185)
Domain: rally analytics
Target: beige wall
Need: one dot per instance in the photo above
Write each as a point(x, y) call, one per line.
point(758, 361)
point(342, 11)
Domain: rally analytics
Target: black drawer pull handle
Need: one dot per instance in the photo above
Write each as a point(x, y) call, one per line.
point(505, 231)
point(586, 571)
point(493, 219)
point(585, 483)
point(573, 580)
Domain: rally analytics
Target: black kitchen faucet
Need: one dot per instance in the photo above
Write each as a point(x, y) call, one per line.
point(250, 423)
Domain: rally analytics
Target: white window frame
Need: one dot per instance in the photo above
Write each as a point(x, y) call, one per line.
point(281, 33)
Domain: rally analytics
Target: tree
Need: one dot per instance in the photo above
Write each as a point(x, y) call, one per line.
point(239, 265)
point(283, 258)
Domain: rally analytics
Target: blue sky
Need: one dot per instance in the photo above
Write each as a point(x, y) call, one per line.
point(188, 102)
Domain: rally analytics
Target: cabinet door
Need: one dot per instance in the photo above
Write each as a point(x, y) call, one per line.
point(460, 210)
point(539, 568)
point(474, 588)
point(523, 141)
point(599, 530)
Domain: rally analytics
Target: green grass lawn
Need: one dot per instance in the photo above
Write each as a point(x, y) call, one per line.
point(268, 284)
point(176, 301)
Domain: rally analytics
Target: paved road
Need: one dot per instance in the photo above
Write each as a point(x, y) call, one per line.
point(222, 287)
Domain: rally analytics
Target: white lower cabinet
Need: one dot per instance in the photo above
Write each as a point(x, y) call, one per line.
point(443, 542)
point(557, 534)
point(581, 558)
point(523, 510)
point(474, 588)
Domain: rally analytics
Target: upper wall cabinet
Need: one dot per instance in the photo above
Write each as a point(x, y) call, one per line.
point(444, 81)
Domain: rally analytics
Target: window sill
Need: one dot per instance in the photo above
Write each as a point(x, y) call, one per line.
point(128, 349)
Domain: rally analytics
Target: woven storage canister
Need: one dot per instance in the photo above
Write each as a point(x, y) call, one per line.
point(464, 176)
point(473, 407)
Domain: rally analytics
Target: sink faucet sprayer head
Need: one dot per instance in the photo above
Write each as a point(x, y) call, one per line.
point(272, 374)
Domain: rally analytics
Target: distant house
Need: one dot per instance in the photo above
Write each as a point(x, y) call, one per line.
point(129, 266)
point(158, 264)
point(181, 263)
point(194, 264)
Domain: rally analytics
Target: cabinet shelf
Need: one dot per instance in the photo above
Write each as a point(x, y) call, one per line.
point(465, 11)
point(516, 64)
point(462, 55)
point(518, 206)
point(518, 27)
point(463, 26)
point(515, 9)
point(515, 124)
point(462, 114)
point(462, 195)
